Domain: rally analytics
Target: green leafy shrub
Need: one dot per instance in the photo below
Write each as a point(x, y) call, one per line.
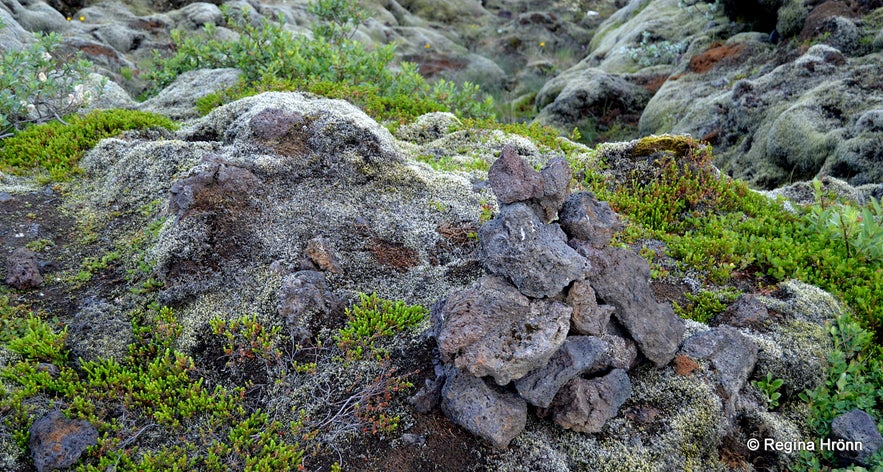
point(859, 230)
point(769, 387)
point(57, 147)
point(373, 318)
point(38, 85)
point(331, 64)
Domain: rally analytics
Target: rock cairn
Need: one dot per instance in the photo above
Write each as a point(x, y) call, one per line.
point(557, 321)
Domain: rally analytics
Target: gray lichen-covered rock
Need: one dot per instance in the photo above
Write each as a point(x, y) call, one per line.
point(57, 442)
point(483, 410)
point(533, 255)
point(585, 405)
point(624, 283)
point(585, 218)
point(22, 269)
point(857, 427)
point(429, 127)
point(178, 100)
point(579, 355)
point(493, 330)
point(256, 180)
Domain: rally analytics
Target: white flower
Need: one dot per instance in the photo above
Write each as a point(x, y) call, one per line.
point(41, 77)
point(46, 56)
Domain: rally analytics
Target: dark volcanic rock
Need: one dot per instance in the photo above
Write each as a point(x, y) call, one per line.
point(857, 426)
point(579, 355)
point(513, 179)
point(588, 317)
point(584, 217)
point(732, 354)
point(556, 187)
point(624, 283)
point(492, 329)
point(57, 441)
point(305, 301)
point(532, 255)
point(23, 271)
point(585, 405)
point(746, 312)
point(482, 409)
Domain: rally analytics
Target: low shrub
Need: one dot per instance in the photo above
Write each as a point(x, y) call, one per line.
point(57, 147)
point(330, 64)
point(39, 85)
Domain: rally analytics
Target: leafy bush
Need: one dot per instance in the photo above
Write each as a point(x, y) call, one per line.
point(273, 58)
point(37, 85)
point(706, 304)
point(770, 386)
point(57, 147)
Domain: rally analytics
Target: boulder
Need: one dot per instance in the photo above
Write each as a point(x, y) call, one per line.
point(585, 218)
point(513, 179)
point(585, 405)
point(588, 317)
point(624, 282)
point(23, 270)
point(857, 427)
point(178, 100)
point(483, 410)
point(732, 356)
point(579, 355)
point(493, 330)
point(532, 255)
point(57, 442)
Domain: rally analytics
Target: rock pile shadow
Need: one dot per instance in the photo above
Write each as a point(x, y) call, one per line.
point(559, 318)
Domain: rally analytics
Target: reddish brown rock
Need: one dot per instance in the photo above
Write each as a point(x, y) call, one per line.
point(23, 272)
point(58, 441)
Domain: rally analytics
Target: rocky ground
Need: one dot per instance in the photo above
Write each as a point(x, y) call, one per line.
point(286, 206)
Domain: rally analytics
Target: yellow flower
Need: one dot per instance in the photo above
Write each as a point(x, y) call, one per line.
point(82, 18)
point(542, 44)
point(68, 18)
point(426, 46)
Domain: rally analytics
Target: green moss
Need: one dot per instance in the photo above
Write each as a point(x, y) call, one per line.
point(56, 148)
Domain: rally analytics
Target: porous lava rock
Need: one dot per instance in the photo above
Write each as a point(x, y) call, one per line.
point(579, 355)
point(491, 329)
point(57, 441)
point(624, 282)
point(22, 269)
point(533, 255)
point(584, 405)
point(513, 326)
point(484, 410)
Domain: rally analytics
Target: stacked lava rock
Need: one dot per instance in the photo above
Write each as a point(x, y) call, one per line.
point(559, 319)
